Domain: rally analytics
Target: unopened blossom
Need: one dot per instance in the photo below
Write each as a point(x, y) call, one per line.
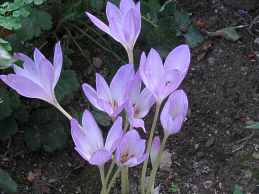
point(89, 142)
point(174, 112)
point(155, 150)
point(162, 79)
point(139, 103)
point(37, 77)
point(124, 22)
point(111, 99)
point(131, 150)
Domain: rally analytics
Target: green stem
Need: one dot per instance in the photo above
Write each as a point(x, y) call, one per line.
point(152, 178)
point(101, 169)
point(130, 56)
point(124, 181)
point(110, 171)
point(113, 180)
point(144, 168)
point(62, 110)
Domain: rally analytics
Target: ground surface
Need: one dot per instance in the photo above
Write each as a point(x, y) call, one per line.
point(213, 153)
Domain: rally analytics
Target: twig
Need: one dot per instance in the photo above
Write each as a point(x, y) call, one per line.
point(98, 44)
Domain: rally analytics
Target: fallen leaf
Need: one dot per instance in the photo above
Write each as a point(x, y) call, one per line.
point(228, 33)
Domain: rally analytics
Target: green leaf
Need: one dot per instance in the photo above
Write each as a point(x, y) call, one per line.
point(6, 46)
point(10, 22)
point(7, 183)
point(182, 21)
point(229, 33)
point(6, 60)
point(255, 125)
point(10, 103)
point(97, 5)
point(67, 85)
point(193, 37)
point(34, 25)
point(8, 127)
point(237, 190)
point(102, 118)
point(47, 130)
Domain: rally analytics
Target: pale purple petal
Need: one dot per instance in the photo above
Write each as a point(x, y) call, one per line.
point(46, 70)
point(179, 59)
point(152, 71)
point(27, 74)
point(155, 150)
point(121, 82)
point(80, 141)
point(112, 12)
point(57, 62)
point(98, 23)
point(100, 157)
point(102, 89)
point(126, 5)
point(131, 162)
point(28, 62)
point(174, 112)
point(129, 28)
point(91, 95)
point(138, 123)
point(135, 88)
point(118, 110)
point(172, 80)
point(26, 87)
point(145, 102)
point(105, 106)
point(93, 133)
point(116, 29)
point(114, 136)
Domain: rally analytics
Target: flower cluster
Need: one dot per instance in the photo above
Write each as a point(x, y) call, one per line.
point(131, 92)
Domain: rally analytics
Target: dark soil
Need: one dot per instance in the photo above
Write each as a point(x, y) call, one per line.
point(213, 153)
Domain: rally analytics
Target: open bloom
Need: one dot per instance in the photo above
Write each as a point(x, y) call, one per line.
point(124, 22)
point(161, 79)
point(89, 141)
point(174, 112)
point(38, 77)
point(155, 150)
point(131, 150)
point(139, 103)
point(113, 99)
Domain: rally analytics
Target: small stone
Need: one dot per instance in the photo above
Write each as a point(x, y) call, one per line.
point(210, 142)
point(256, 41)
point(211, 61)
point(97, 62)
point(256, 155)
point(207, 184)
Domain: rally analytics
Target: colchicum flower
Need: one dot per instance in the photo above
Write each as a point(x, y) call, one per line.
point(124, 22)
point(174, 112)
point(89, 141)
point(139, 103)
point(113, 99)
point(155, 150)
point(131, 150)
point(38, 77)
point(161, 79)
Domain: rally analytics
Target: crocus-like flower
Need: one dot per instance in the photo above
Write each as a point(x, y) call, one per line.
point(139, 103)
point(38, 78)
point(174, 112)
point(155, 150)
point(89, 141)
point(124, 22)
point(131, 150)
point(113, 99)
point(161, 79)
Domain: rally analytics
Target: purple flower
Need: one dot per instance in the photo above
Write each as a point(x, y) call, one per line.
point(38, 78)
point(155, 150)
point(131, 150)
point(89, 141)
point(139, 103)
point(161, 79)
point(113, 99)
point(174, 112)
point(124, 22)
